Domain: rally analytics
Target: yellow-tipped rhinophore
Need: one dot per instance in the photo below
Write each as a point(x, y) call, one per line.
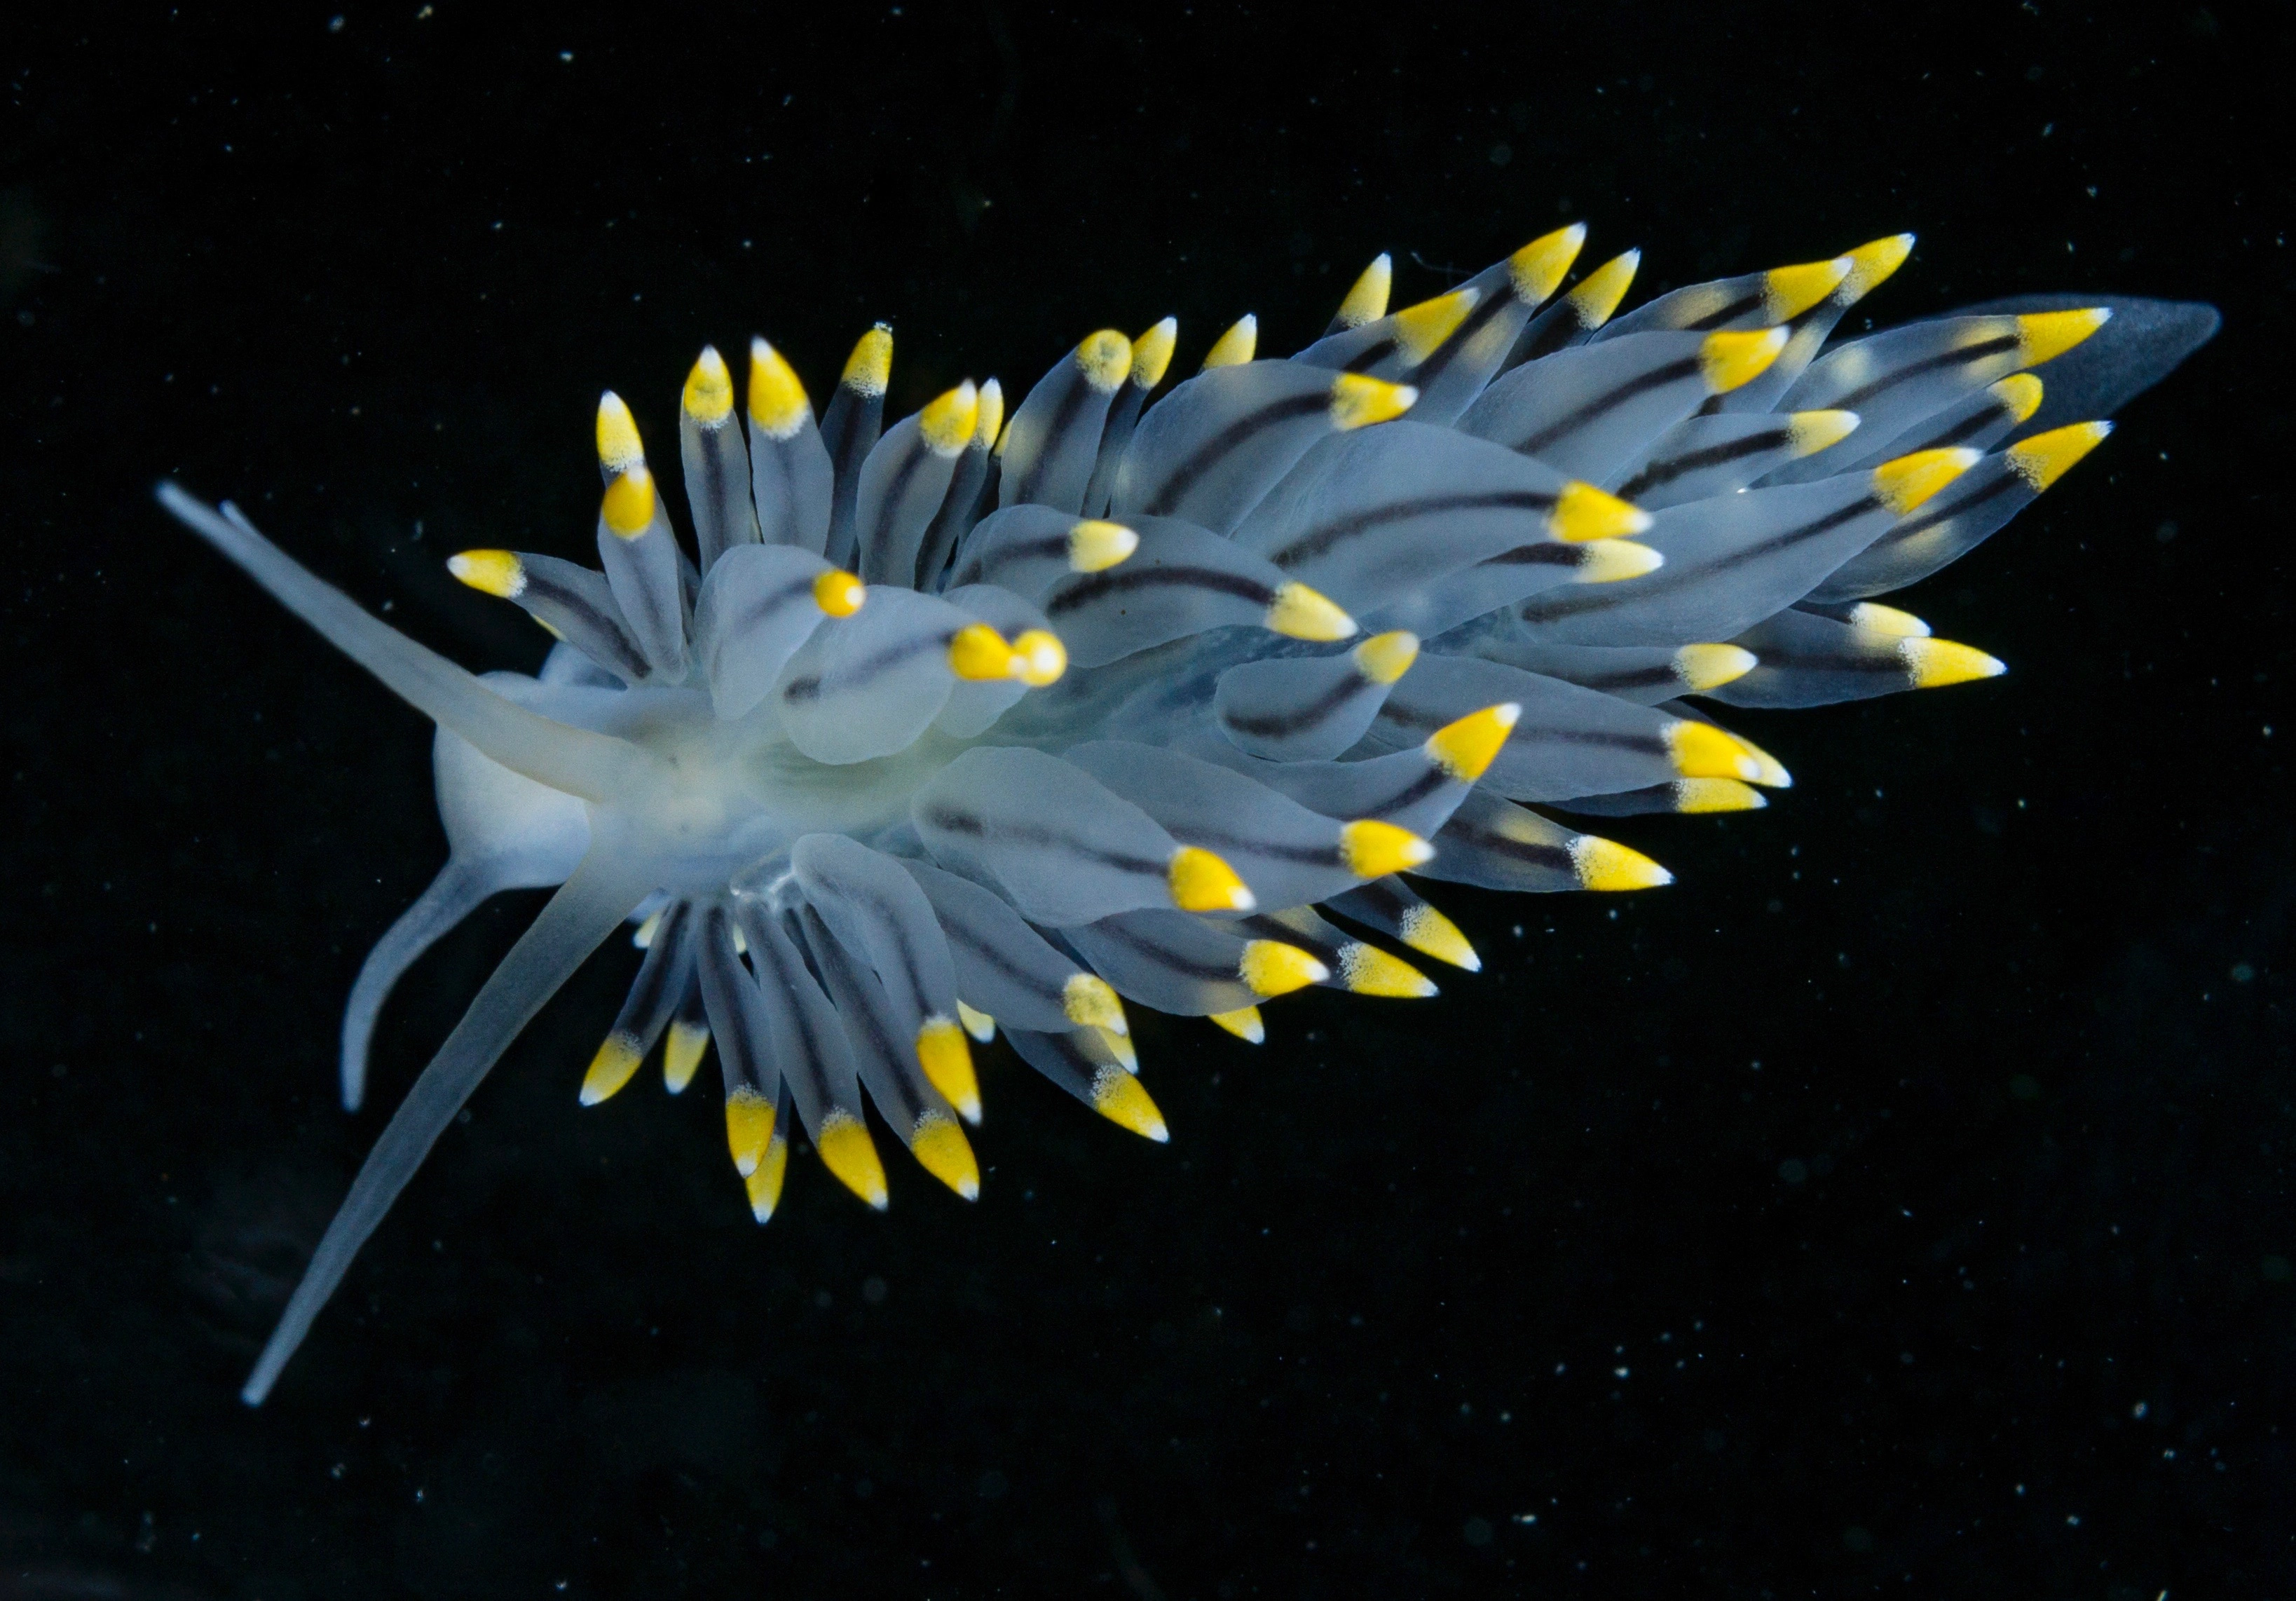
point(978, 1024)
point(1236, 346)
point(947, 1063)
point(978, 654)
point(709, 397)
point(870, 367)
point(1244, 1023)
point(1711, 666)
point(1599, 292)
point(1090, 1004)
point(2046, 457)
point(764, 1186)
point(1371, 849)
point(778, 408)
point(628, 508)
point(1358, 401)
point(1270, 968)
point(1871, 264)
point(1937, 662)
point(2045, 335)
point(1116, 1096)
point(1202, 882)
point(1905, 484)
point(496, 572)
point(1607, 865)
point(1038, 657)
point(1367, 969)
point(611, 1068)
point(1582, 513)
point(619, 449)
point(1788, 291)
point(1299, 612)
point(681, 1054)
point(1432, 934)
point(1366, 300)
point(839, 594)
point(1614, 560)
point(1729, 361)
point(1421, 330)
point(2019, 395)
point(1152, 353)
point(1816, 431)
point(1537, 270)
point(1701, 751)
point(1095, 546)
point(1697, 797)
point(1384, 657)
point(942, 1150)
point(1105, 360)
point(946, 423)
point(1465, 749)
point(847, 1151)
point(749, 1128)
point(1886, 623)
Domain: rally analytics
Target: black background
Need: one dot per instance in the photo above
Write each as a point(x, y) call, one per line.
point(1898, 1204)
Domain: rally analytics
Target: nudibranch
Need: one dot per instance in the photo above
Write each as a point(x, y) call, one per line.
point(979, 724)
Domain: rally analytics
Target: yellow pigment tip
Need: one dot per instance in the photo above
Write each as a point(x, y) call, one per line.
point(870, 367)
point(496, 572)
point(839, 594)
point(1202, 882)
point(1244, 1023)
point(1871, 264)
point(1270, 968)
point(764, 1186)
point(978, 1024)
point(1701, 751)
point(1872, 617)
point(2046, 457)
point(1613, 561)
point(1599, 292)
point(1607, 865)
point(644, 939)
point(945, 423)
point(978, 654)
point(1089, 1003)
point(1420, 330)
point(1120, 1047)
point(617, 1059)
point(628, 508)
point(1116, 1096)
point(1536, 271)
point(681, 1054)
point(1366, 300)
point(1367, 969)
point(1935, 663)
point(947, 1063)
point(1371, 849)
point(2019, 395)
point(1768, 770)
point(991, 415)
point(847, 1151)
point(1105, 360)
point(709, 397)
point(1788, 291)
point(1038, 658)
point(1358, 401)
point(942, 1150)
point(1095, 546)
point(2044, 335)
point(1812, 432)
point(778, 408)
point(749, 1128)
point(1703, 667)
point(1582, 512)
point(1464, 749)
point(1236, 346)
point(1299, 612)
point(1729, 361)
point(619, 449)
point(1697, 797)
point(1906, 483)
point(1152, 353)
point(1432, 934)
point(1384, 657)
